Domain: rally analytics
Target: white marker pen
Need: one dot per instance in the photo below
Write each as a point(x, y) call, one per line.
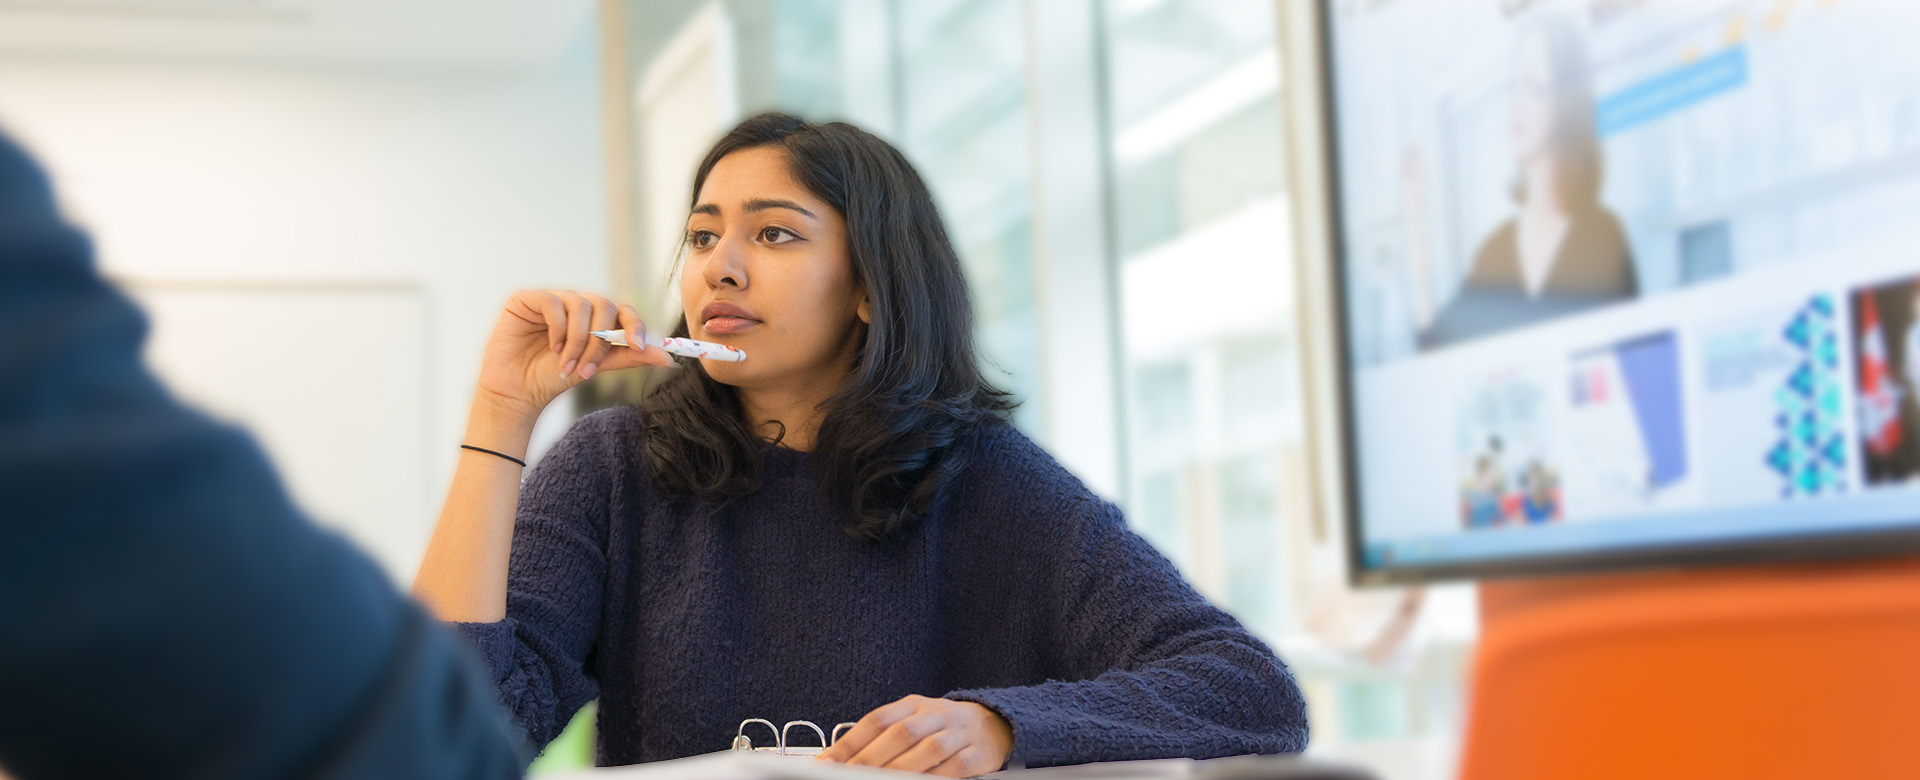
point(705, 350)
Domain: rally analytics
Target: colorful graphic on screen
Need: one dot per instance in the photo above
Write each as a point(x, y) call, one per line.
point(1621, 276)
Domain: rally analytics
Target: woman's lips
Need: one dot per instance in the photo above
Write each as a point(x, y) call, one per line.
point(728, 324)
point(722, 317)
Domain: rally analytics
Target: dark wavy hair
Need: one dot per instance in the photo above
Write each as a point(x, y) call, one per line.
point(885, 450)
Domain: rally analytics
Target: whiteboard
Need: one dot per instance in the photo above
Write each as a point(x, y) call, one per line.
point(331, 377)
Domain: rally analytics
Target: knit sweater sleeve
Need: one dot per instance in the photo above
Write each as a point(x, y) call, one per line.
point(1152, 670)
point(539, 654)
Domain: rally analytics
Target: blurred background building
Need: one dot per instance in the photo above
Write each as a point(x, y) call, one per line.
point(322, 205)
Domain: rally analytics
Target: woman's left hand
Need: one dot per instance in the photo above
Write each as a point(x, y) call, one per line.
point(936, 736)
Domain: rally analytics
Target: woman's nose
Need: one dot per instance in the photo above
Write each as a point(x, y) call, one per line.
point(727, 265)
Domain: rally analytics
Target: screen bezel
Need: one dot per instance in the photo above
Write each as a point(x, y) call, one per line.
point(1787, 548)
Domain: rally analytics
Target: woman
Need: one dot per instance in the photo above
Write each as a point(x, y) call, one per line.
point(838, 528)
point(1563, 252)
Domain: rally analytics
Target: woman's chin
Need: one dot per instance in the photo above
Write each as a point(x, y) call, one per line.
point(735, 374)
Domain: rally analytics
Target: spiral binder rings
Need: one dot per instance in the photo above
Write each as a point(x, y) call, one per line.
point(780, 746)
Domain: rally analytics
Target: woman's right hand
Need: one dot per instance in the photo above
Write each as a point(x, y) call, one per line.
point(540, 348)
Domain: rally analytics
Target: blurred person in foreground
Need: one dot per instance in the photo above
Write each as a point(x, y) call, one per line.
point(165, 611)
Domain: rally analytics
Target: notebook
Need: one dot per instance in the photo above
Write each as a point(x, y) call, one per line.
point(738, 765)
point(747, 760)
point(758, 765)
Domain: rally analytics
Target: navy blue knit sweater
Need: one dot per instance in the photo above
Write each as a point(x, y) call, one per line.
point(1023, 592)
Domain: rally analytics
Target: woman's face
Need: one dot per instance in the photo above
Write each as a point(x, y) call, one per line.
point(1531, 121)
point(768, 271)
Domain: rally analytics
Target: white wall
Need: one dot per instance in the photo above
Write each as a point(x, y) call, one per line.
point(373, 218)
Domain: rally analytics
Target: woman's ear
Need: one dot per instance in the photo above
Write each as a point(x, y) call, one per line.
point(864, 311)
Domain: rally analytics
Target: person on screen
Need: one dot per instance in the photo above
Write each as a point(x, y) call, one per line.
point(1484, 489)
point(1539, 494)
point(841, 528)
point(1562, 251)
point(168, 612)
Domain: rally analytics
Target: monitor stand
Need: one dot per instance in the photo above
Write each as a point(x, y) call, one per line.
point(1788, 671)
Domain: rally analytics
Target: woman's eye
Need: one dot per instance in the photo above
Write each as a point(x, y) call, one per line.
point(774, 235)
point(701, 239)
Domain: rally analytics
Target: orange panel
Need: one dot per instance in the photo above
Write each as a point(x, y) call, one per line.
point(1805, 671)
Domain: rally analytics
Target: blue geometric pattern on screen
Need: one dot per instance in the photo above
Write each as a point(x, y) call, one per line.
point(1811, 453)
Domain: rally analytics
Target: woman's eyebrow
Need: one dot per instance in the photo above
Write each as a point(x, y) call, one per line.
point(762, 204)
point(757, 204)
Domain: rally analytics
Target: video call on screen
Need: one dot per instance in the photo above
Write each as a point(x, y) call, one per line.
point(1627, 274)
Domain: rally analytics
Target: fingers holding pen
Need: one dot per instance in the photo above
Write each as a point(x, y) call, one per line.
point(553, 309)
point(636, 342)
point(540, 346)
point(573, 327)
point(604, 316)
point(583, 355)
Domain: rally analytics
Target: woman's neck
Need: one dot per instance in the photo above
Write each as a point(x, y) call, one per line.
point(791, 407)
point(1542, 190)
point(1544, 222)
point(791, 412)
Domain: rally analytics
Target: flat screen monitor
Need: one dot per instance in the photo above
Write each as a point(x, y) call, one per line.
point(1624, 283)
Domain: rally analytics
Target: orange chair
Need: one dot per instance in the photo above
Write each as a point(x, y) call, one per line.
point(1782, 671)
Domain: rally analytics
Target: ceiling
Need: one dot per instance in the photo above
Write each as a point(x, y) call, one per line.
point(434, 33)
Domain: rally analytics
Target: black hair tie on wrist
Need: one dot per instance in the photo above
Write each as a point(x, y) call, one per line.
point(523, 464)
